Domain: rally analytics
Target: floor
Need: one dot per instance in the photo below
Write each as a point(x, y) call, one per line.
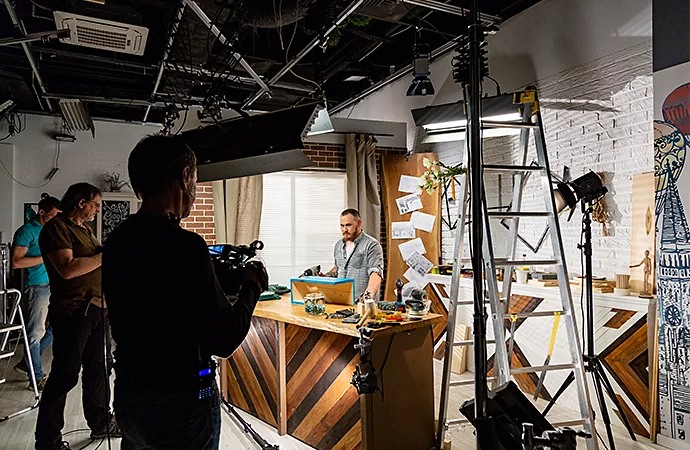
point(17, 433)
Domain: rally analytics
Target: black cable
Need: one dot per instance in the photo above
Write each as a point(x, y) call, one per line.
point(385, 360)
point(582, 279)
point(421, 19)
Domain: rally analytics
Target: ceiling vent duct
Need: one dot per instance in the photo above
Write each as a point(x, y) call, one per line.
point(102, 34)
point(77, 116)
point(253, 145)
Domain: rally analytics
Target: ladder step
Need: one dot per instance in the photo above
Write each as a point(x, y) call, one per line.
point(468, 382)
point(535, 369)
point(510, 214)
point(569, 423)
point(470, 342)
point(529, 262)
point(7, 327)
point(534, 314)
point(502, 168)
point(4, 355)
point(468, 302)
point(490, 124)
point(451, 422)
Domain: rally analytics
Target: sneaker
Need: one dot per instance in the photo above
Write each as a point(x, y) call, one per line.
point(21, 367)
point(40, 384)
point(112, 430)
point(57, 445)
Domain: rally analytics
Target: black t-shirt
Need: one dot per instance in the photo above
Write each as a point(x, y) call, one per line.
point(167, 312)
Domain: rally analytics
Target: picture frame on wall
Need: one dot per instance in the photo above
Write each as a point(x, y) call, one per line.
point(116, 207)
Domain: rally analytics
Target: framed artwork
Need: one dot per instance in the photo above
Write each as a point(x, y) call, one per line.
point(115, 208)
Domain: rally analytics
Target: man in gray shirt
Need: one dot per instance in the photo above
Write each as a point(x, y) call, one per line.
point(357, 256)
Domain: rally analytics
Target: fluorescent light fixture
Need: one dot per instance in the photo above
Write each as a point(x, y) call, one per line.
point(459, 135)
point(77, 116)
point(356, 78)
point(463, 122)
point(322, 124)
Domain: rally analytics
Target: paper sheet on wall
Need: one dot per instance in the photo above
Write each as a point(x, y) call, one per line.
point(409, 184)
point(402, 230)
point(420, 264)
point(413, 277)
point(409, 203)
point(409, 247)
point(423, 221)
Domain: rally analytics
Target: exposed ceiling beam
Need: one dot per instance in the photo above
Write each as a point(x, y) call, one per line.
point(166, 53)
point(20, 26)
point(43, 36)
point(452, 9)
point(386, 81)
point(347, 12)
point(194, 6)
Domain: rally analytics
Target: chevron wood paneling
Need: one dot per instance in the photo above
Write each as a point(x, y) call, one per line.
point(251, 372)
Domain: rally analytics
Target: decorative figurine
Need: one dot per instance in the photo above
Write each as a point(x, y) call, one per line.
point(647, 263)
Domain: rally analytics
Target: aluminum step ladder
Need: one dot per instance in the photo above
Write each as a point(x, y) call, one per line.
point(527, 104)
point(6, 354)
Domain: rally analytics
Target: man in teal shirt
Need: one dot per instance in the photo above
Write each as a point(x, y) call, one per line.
point(27, 255)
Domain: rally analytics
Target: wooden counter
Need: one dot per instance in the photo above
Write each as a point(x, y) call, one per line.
point(293, 371)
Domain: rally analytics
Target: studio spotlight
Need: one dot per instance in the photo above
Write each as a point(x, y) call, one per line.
point(421, 84)
point(587, 188)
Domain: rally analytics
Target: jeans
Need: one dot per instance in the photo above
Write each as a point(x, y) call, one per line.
point(167, 421)
point(40, 337)
point(78, 343)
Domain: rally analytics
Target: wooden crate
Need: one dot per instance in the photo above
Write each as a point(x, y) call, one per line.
point(340, 291)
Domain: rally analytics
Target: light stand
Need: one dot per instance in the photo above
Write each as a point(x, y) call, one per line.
point(593, 364)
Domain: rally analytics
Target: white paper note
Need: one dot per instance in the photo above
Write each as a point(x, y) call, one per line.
point(423, 221)
point(409, 203)
point(415, 278)
point(409, 247)
point(402, 230)
point(420, 264)
point(409, 184)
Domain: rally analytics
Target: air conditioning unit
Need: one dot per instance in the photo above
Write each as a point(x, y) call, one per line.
point(102, 34)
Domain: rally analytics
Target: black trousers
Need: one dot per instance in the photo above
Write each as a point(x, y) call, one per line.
point(78, 342)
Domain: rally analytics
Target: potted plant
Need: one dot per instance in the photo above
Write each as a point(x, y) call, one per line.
point(111, 182)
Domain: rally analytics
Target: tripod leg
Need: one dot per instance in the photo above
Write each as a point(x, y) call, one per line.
point(568, 381)
point(612, 395)
point(602, 407)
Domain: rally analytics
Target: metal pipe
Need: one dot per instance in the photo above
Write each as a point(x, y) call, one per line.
point(451, 9)
point(194, 6)
point(27, 51)
point(114, 101)
point(35, 37)
point(391, 78)
point(347, 12)
point(242, 80)
point(166, 53)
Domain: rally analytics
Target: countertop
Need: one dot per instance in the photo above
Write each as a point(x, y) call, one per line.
point(283, 311)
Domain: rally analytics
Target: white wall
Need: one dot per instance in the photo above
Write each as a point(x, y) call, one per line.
point(33, 156)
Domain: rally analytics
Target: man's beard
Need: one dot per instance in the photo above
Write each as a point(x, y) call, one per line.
point(188, 197)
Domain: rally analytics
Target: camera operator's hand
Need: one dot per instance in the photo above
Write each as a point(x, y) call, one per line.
point(255, 271)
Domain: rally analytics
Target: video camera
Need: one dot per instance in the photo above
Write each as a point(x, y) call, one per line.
point(229, 262)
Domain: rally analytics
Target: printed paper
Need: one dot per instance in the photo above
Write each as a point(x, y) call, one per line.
point(409, 247)
point(402, 230)
point(409, 203)
point(423, 221)
point(409, 184)
point(420, 281)
point(420, 264)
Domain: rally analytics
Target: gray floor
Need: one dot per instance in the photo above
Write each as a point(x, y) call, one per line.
point(17, 433)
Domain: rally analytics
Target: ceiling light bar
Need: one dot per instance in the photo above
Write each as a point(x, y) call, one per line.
point(77, 116)
point(451, 9)
point(462, 123)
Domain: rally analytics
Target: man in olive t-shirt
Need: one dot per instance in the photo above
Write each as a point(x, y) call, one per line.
point(77, 312)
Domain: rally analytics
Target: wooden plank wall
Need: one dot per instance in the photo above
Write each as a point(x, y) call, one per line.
point(252, 383)
point(392, 167)
point(323, 409)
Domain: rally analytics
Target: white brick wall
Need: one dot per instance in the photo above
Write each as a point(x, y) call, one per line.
point(597, 116)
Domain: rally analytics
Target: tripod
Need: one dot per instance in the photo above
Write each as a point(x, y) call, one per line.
point(593, 364)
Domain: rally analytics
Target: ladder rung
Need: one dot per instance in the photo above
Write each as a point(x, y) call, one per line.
point(534, 314)
point(4, 355)
point(6, 327)
point(569, 423)
point(468, 302)
point(510, 214)
point(529, 262)
point(451, 422)
point(490, 124)
point(535, 369)
point(470, 342)
point(502, 168)
point(2, 380)
point(468, 382)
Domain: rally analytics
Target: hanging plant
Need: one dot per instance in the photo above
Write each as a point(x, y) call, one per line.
point(359, 21)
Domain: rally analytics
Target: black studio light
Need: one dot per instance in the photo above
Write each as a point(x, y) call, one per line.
point(586, 188)
point(421, 84)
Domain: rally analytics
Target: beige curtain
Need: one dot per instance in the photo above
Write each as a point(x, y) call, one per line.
point(237, 209)
point(362, 184)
